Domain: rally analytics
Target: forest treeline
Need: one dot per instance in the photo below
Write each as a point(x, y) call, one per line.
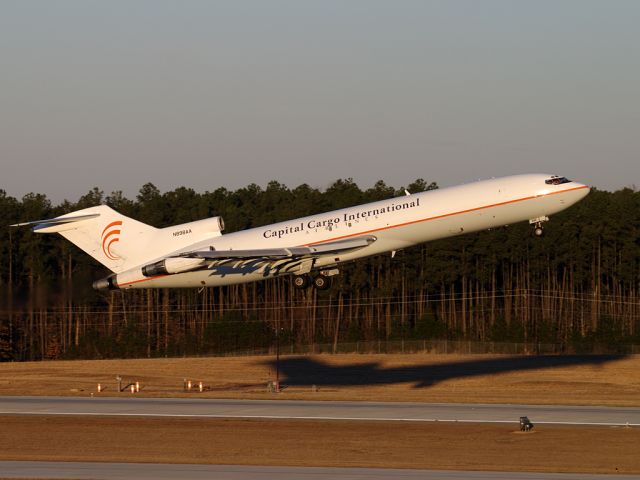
point(576, 287)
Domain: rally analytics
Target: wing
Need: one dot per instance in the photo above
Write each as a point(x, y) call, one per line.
point(298, 259)
point(305, 251)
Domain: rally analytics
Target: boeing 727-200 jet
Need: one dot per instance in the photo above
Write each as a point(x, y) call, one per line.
point(197, 254)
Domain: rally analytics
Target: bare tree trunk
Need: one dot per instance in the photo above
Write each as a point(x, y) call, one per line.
point(165, 312)
point(149, 316)
point(10, 302)
point(337, 329)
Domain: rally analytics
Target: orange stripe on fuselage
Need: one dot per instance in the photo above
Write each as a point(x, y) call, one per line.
point(413, 221)
point(444, 215)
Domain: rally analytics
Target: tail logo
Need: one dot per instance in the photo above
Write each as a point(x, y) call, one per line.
point(111, 235)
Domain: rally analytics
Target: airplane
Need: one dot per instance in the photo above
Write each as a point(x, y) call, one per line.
point(198, 255)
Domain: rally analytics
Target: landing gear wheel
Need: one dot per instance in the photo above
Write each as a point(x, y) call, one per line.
point(322, 282)
point(301, 281)
point(537, 224)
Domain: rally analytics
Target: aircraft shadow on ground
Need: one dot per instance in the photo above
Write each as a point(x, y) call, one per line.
point(306, 371)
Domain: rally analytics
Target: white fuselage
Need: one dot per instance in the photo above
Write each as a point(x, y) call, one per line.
point(396, 223)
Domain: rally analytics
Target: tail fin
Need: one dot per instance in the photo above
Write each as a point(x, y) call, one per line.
point(116, 241)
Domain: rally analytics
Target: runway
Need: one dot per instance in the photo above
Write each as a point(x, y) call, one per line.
point(143, 471)
point(314, 410)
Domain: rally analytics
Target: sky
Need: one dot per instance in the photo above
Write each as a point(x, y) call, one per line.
point(205, 94)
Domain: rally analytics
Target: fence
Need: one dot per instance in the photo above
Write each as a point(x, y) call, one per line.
point(443, 347)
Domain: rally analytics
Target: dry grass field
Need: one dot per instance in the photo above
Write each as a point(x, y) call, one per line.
point(577, 380)
point(309, 443)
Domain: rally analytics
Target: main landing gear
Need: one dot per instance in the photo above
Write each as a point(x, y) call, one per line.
point(321, 281)
point(538, 230)
point(302, 281)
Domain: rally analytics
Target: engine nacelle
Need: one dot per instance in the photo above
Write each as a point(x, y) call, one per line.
point(170, 266)
point(208, 227)
point(106, 283)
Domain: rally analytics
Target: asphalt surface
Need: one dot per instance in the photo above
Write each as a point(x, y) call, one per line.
point(142, 471)
point(285, 409)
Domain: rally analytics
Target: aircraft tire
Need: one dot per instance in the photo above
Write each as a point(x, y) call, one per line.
point(322, 282)
point(301, 281)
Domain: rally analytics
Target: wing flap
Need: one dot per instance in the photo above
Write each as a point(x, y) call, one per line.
point(341, 245)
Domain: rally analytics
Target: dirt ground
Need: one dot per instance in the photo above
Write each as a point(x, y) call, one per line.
point(311, 443)
point(577, 380)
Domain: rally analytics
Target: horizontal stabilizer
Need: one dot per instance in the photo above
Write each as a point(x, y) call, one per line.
point(276, 253)
point(52, 222)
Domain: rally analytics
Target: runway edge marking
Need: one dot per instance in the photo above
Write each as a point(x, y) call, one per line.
point(280, 417)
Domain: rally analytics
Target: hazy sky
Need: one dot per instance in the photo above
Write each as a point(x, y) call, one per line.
point(206, 94)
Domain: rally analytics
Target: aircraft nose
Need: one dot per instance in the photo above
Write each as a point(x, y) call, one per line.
point(584, 190)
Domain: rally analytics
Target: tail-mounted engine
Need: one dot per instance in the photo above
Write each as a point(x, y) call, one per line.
point(170, 266)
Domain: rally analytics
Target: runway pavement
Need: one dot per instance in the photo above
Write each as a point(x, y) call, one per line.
point(285, 409)
point(143, 471)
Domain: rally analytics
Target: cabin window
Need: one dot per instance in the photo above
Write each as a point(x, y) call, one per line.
point(557, 180)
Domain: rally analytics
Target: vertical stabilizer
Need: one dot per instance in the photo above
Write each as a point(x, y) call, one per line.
point(116, 241)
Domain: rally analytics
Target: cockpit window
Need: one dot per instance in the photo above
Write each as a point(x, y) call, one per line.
point(557, 181)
